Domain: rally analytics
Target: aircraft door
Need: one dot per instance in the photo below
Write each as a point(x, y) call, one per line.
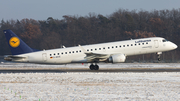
point(44, 57)
point(156, 44)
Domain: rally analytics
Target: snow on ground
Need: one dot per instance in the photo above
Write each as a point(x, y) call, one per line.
point(89, 86)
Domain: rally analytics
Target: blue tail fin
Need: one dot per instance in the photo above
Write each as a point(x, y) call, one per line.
point(16, 45)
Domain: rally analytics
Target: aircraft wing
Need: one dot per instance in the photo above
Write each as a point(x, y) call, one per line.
point(90, 56)
point(95, 56)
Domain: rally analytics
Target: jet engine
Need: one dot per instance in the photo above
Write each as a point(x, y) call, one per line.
point(117, 58)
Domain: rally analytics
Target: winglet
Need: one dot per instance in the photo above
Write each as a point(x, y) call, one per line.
point(83, 49)
point(63, 46)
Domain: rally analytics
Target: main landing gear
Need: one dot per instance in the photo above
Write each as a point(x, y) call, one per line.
point(94, 67)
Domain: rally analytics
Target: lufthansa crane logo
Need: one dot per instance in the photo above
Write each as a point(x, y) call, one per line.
point(14, 42)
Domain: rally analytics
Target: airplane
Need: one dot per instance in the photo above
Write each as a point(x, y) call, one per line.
point(111, 52)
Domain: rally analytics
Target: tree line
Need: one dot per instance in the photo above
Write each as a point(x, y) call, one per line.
point(96, 28)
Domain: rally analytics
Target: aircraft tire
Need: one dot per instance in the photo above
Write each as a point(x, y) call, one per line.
point(96, 67)
point(91, 67)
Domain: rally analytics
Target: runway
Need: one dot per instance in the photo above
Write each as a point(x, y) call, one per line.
point(83, 70)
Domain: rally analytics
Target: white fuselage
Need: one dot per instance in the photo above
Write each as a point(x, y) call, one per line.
point(76, 54)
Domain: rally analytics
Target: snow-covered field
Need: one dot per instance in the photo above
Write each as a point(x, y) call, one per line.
point(91, 86)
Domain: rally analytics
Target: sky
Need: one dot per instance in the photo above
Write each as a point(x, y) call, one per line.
point(42, 9)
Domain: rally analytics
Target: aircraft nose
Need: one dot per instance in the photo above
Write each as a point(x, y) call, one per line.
point(174, 46)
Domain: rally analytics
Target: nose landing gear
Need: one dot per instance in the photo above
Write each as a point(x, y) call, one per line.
point(94, 67)
point(159, 55)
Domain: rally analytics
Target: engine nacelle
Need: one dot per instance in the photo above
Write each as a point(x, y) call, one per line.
point(117, 58)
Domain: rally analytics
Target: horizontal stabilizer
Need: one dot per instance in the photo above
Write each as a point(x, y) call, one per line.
point(13, 57)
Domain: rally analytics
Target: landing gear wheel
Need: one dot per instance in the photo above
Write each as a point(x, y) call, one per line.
point(91, 67)
point(159, 59)
point(96, 67)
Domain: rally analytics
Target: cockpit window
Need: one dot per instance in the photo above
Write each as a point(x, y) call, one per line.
point(164, 40)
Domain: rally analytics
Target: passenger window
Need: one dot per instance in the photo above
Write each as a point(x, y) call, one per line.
point(69, 52)
point(128, 45)
point(50, 54)
point(76, 51)
point(62, 53)
point(139, 44)
point(80, 51)
point(123, 45)
point(95, 49)
point(112, 47)
point(146, 42)
point(119, 46)
point(116, 46)
point(91, 49)
point(103, 47)
point(87, 49)
point(142, 43)
point(65, 52)
point(72, 51)
point(108, 47)
point(99, 48)
point(54, 54)
point(58, 53)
